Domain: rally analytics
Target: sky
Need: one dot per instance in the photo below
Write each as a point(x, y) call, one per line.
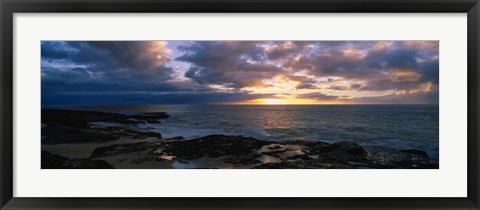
point(239, 72)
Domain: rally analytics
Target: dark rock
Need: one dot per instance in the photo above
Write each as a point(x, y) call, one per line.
point(236, 149)
point(82, 119)
point(53, 161)
point(214, 146)
point(79, 119)
point(71, 126)
point(416, 152)
point(382, 157)
point(338, 152)
point(119, 149)
point(302, 165)
point(68, 126)
point(129, 131)
point(243, 159)
point(244, 151)
point(144, 134)
point(176, 138)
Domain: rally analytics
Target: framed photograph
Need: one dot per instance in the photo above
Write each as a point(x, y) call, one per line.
point(262, 104)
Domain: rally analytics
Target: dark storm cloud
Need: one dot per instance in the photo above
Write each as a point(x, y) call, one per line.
point(120, 72)
point(53, 84)
point(231, 63)
point(73, 66)
point(57, 50)
point(218, 54)
point(233, 78)
point(111, 59)
point(430, 71)
point(107, 98)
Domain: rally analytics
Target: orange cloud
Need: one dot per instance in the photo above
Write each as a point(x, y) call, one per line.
point(400, 75)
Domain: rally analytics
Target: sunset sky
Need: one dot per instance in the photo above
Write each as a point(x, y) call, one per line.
point(239, 72)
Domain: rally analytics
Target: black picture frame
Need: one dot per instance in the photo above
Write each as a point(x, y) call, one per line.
point(10, 7)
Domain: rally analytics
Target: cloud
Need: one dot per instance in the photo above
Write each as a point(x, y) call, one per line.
point(230, 63)
point(306, 86)
point(348, 71)
point(113, 59)
point(318, 96)
point(378, 65)
point(420, 98)
point(99, 67)
point(144, 97)
point(245, 64)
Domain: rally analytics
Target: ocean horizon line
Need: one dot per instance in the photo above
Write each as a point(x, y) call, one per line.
point(106, 105)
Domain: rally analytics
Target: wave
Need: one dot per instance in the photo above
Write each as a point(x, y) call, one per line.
point(407, 127)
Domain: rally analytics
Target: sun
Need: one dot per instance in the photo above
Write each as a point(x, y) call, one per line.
point(266, 101)
point(282, 101)
point(272, 101)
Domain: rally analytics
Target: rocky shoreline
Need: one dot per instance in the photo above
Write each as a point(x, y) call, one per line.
point(150, 150)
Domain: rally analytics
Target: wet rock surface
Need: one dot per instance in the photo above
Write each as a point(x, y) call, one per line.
point(246, 152)
point(214, 146)
point(212, 151)
point(382, 157)
point(52, 161)
point(119, 149)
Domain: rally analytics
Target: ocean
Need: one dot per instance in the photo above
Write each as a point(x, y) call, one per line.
point(394, 126)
